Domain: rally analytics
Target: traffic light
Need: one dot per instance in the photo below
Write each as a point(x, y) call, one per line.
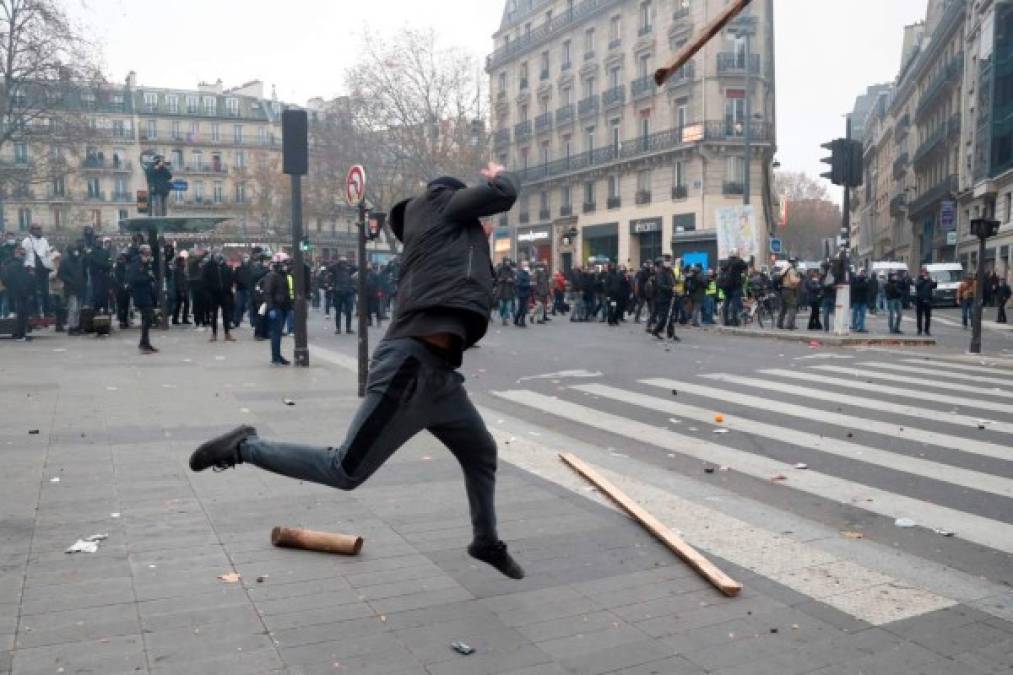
point(374, 224)
point(142, 201)
point(305, 245)
point(845, 162)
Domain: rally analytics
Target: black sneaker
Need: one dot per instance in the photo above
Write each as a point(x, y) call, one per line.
point(495, 554)
point(221, 452)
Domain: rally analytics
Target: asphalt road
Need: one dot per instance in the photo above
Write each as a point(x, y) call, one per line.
point(722, 421)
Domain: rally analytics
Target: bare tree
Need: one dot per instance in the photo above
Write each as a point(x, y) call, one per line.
point(49, 84)
point(268, 198)
point(797, 186)
point(417, 110)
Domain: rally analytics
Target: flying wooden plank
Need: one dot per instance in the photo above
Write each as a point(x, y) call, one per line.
point(697, 43)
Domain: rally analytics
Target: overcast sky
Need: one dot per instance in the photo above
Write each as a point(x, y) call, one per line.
point(827, 50)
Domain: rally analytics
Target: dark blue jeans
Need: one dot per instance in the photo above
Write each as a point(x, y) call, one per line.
point(242, 305)
point(410, 389)
point(343, 301)
point(275, 318)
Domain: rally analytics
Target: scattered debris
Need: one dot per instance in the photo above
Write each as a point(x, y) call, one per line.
point(981, 426)
point(801, 465)
point(112, 388)
point(54, 480)
point(262, 578)
point(773, 630)
point(59, 350)
point(779, 477)
point(719, 419)
point(941, 531)
point(671, 455)
point(462, 648)
point(288, 401)
point(426, 458)
point(33, 432)
point(722, 468)
point(708, 469)
point(152, 566)
point(850, 435)
point(230, 578)
point(904, 522)
point(562, 374)
point(722, 430)
point(114, 515)
point(88, 544)
point(244, 410)
point(219, 358)
point(675, 392)
point(672, 420)
point(617, 454)
point(852, 535)
point(534, 433)
point(815, 344)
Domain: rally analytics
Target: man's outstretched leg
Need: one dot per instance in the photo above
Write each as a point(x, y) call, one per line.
point(410, 389)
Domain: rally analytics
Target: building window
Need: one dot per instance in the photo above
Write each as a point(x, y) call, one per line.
point(545, 152)
point(613, 186)
point(240, 159)
point(121, 187)
point(191, 104)
point(681, 114)
point(119, 130)
point(615, 30)
point(615, 133)
point(59, 187)
point(198, 191)
point(262, 135)
point(502, 82)
point(237, 134)
point(94, 188)
point(544, 69)
point(589, 194)
point(21, 153)
point(735, 170)
point(589, 139)
point(150, 101)
point(96, 218)
point(679, 174)
point(217, 193)
point(615, 76)
point(172, 102)
point(589, 43)
point(567, 57)
point(216, 132)
point(645, 17)
point(58, 218)
point(524, 76)
point(735, 112)
point(643, 181)
point(124, 214)
point(179, 197)
point(1009, 206)
point(197, 159)
point(152, 129)
point(176, 133)
point(566, 94)
point(565, 196)
point(240, 193)
point(24, 219)
point(589, 87)
point(232, 106)
point(644, 65)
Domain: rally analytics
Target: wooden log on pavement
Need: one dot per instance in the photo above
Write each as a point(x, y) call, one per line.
point(697, 43)
point(690, 555)
point(311, 540)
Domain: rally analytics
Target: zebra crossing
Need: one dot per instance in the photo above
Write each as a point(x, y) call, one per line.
point(918, 419)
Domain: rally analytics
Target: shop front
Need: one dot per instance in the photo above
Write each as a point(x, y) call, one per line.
point(600, 242)
point(646, 235)
point(696, 248)
point(534, 244)
point(502, 245)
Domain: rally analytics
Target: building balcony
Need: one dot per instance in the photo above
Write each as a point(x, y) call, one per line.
point(901, 129)
point(734, 63)
point(543, 123)
point(679, 192)
point(566, 210)
point(645, 30)
point(613, 202)
point(524, 218)
point(544, 214)
point(501, 138)
point(684, 75)
point(564, 115)
point(206, 203)
point(548, 30)
point(565, 66)
point(95, 196)
point(543, 75)
point(615, 44)
point(701, 132)
point(680, 14)
point(588, 107)
point(898, 205)
point(588, 55)
point(614, 97)
point(930, 198)
point(522, 130)
point(203, 170)
point(643, 197)
point(900, 165)
point(123, 197)
point(588, 207)
point(93, 164)
point(936, 140)
point(936, 90)
point(732, 188)
point(642, 87)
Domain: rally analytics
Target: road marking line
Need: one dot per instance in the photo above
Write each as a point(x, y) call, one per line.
point(921, 382)
point(946, 473)
point(937, 373)
point(806, 568)
point(948, 441)
point(988, 370)
point(977, 529)
point(958, 401)
point(988, 325)
point(859, 401)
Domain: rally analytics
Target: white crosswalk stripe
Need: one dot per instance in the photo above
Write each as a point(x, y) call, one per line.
point(850, 422)
point(973, 528)
point(891, 460)
point(864, 402)
point(905, 368)
point(880, 389)
point(919, 381)
point(985, 370)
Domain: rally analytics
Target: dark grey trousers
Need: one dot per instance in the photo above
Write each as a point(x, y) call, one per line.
point(410, 389)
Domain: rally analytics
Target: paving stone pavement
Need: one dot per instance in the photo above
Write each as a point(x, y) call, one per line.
point(601, 596)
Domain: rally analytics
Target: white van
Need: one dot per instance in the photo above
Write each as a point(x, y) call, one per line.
point(948, 276)
point(886, 267)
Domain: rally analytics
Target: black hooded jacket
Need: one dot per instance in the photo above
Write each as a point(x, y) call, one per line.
point(446, 265)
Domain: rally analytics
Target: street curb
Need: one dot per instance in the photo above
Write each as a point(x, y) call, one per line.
point(826, 340)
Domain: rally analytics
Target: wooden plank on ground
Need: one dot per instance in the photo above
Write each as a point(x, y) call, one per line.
point(690, 555)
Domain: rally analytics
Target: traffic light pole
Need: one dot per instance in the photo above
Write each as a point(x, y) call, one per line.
point(842, 305)
point(979, 290)
point(363, 303)
point(302, 352)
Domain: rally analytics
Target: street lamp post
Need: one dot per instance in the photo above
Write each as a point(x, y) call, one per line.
point(982, 228)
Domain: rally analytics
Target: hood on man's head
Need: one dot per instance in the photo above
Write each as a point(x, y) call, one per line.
point(447, 182)
point(396, 219)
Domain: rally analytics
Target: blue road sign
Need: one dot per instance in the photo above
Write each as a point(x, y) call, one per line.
point(775, 245)
point(180, 185)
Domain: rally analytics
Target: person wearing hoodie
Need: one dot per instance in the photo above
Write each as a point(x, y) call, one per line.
point(523, 288)
point(72, 274)
point(444, 301)
point(218, 284)
point(923, 301)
